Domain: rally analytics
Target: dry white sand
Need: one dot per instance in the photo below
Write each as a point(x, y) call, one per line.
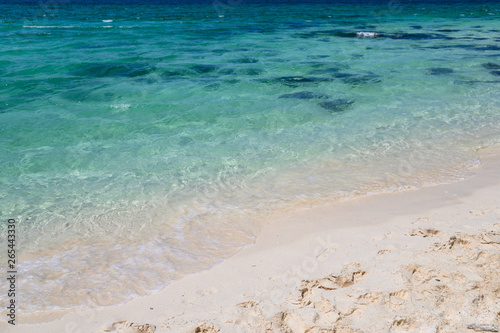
point(424, 260)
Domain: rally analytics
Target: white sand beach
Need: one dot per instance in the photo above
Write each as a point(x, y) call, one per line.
point(425, 260)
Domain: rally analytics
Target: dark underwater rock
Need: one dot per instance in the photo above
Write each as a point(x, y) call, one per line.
point(331, 70)
point(226, 71)
point(365, 27)
point(458, 46)
point(203, 69)
point(113, 70)
point(175, 74)
point(250, 71)
point(488, 48)
point(337, 105)
point(341, 75)
point(326, 33)
point(491, 65)
point(319, 56)
point(440, 71)
point(475, 82)
point(418, 36)
point(245, 61)
point(362, 79)
point(305, 95)
point(295, 81)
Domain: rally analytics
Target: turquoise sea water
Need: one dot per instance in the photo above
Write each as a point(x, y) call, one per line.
point(143, 142)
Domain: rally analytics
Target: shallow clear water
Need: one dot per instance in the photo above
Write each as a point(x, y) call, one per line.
point(140, 143)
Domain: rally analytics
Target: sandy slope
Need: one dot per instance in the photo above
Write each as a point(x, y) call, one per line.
point(423, 260)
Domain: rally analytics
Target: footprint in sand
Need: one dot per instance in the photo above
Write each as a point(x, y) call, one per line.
point(347, 278)
point(398, 298)
point(481, 211)
point(128, 327)
point(248, 304)
point(452, 243)
point(424, 232)
point(420, 219)
point(204, 328)
point(418, 275)
point(490, 238)
point(326, 252)
point(369, 298)
point(401, 324)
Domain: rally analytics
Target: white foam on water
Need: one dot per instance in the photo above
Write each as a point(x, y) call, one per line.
point(120, 106)
point(367, 34)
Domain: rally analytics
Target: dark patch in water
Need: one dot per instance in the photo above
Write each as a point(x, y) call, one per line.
point(331, 70)
point(474, 82)
point(365, 27)
point(418, 27)
point(447, 30)
point(419, 36)
point(488, 48)
point(496, 73)
point(113, 70)
point(220, 51)
point(337, 105)
point(326, 33)
point(440, 71)
point(459, 46)
point(464, 46)
point(344, 34)
point(361, 80)
point(203, 69)
point(298, 25)
point(341, 75)
point(354, 34)
point(305, 95)
point(295, 81)
point(251, 71)
point(245, 61)
point(491, 65)
point(474, 38)
point(174, 73)
point(314, 64)
point(319, 56)
point(226, 71)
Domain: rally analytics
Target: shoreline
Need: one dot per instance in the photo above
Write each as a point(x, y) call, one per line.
point(339, 265)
